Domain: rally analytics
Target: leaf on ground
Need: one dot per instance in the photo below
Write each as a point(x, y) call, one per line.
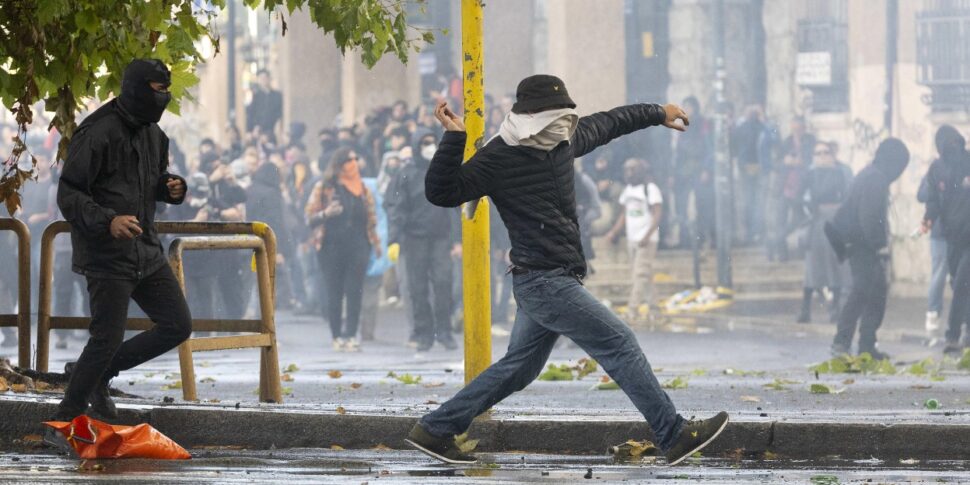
point(921, 368)
point(286, 378)
point(433, 384)
point(743, 373)
point(750, 399)
point(341, 410)
point(606, 384)
point(356, 385)
point(678, 382)
point(406, 379)
point(287, 391)
point(824, 480)
point(937, 378)
point(780, 384)
point(699, 372)
point(855, 364)
point(207, 380)
point(336, 448)
point(824, 389)
point(335, 374)
point(291, 369)
point(4, 387)
point(172, 376)
point(848, 382)
point(381, 447)
point(634, 449)
point(585, 367)
point(557, 373)
point(464, 444)
point(172, 385)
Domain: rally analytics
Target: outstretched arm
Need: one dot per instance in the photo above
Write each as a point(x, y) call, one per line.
point(449, 182)
point(600, 128)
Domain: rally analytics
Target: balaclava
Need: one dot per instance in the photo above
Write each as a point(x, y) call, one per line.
point(891, 158)
point(951, 145)
point(137, 98)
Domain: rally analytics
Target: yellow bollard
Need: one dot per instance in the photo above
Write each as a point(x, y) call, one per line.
point(476, 275)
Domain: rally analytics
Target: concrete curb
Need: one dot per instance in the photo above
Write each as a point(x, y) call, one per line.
point(195, 427)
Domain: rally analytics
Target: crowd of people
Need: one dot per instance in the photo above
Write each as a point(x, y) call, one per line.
point(356, 231)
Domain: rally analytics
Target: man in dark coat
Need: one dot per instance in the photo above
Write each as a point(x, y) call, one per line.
point(428, 236)
point(948, 201)
point(114, 173)
point(860, 231)
point(527, 171)
point(266, 107)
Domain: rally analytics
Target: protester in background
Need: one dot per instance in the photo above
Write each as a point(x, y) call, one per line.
point(788, 186)
point(746, 137)
point(588, 210)
point(429, 237)
point(342, 212)
point(379, 263)
point(948, 183)
point(859, 231)
point(265, 109)
point(938, 272)
point(642, 205)
point(226, 203)
point(693, 175)
point(826, 186)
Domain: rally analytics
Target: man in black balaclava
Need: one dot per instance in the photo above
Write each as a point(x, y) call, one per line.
point(860, 231)
point(429, 237)
point(114, 173)
point(948, 198)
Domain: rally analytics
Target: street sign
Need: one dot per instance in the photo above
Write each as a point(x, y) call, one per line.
point(814, 69)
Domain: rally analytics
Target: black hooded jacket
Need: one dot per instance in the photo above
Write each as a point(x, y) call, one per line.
point(409, 214)
point(533, 190)
point(862, 221)
point(947, 187)
point(116, 165)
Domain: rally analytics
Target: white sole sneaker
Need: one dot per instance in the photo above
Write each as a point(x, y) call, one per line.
point(702, 445)
point(437, 456)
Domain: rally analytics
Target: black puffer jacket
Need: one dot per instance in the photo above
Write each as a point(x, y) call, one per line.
point(409, 214)
point(948, 198)
point(115, 166)
point(533, 190)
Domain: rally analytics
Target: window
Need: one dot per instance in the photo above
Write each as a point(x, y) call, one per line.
point(823, 61)
point(943, 53)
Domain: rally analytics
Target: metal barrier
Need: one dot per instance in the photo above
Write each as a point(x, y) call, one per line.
point(270, 389)
point(21, 319)
point(46, 322)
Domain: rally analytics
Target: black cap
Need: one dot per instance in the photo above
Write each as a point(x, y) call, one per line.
point(540, 93)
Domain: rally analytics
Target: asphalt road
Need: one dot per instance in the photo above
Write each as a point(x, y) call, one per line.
point(399, 467)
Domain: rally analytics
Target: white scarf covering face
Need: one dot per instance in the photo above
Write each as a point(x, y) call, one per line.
point(543, 130)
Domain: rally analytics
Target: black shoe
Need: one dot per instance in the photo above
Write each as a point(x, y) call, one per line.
point(443, 449)
point(838, 350)
point(876, 354)
point(953, 349)
point(66, 413)
point(448, 343)
point(695, 436)
point(102, 406)
point(424, 346)
point(803, 318)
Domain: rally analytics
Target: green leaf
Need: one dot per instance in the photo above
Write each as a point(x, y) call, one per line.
point(675, 383)
point(557, 373)
point(87, 20)
point(823, 389)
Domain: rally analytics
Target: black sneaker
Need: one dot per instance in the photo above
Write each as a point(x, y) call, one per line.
point(695, 436)
point(448, 343)
point(953, 349)
point(443, 449)
point(838, 350)
point(102, 406)
point(876, 354)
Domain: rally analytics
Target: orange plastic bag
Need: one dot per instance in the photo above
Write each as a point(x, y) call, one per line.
point(91, 438)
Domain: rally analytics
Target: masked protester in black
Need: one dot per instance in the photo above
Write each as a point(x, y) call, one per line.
point(860, 232)
point(948, 199)
point(114, 173)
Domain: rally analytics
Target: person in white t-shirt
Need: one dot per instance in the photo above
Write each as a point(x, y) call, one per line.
point(642, 208)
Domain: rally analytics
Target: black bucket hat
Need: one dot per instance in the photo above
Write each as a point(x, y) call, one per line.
point(540, 93)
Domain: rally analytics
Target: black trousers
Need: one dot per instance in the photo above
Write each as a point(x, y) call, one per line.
point(958, 260)
point(105, 355)
point(866, 304)
point(344, 268)
point(429, 269)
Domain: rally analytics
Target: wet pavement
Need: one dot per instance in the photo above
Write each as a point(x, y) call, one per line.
point(388, 466)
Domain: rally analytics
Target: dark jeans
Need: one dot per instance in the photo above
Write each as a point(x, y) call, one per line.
point(344, 267)
point(704, 203)
point(104, 356)
point(429, 271)
point(551, 304)
point(866, 305)
point(958, 260)
point(752, 198)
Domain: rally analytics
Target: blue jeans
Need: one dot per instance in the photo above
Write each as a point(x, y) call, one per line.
point(938, 274)
point(550, 304)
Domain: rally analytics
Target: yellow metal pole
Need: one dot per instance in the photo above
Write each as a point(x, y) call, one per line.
point(476, 284)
